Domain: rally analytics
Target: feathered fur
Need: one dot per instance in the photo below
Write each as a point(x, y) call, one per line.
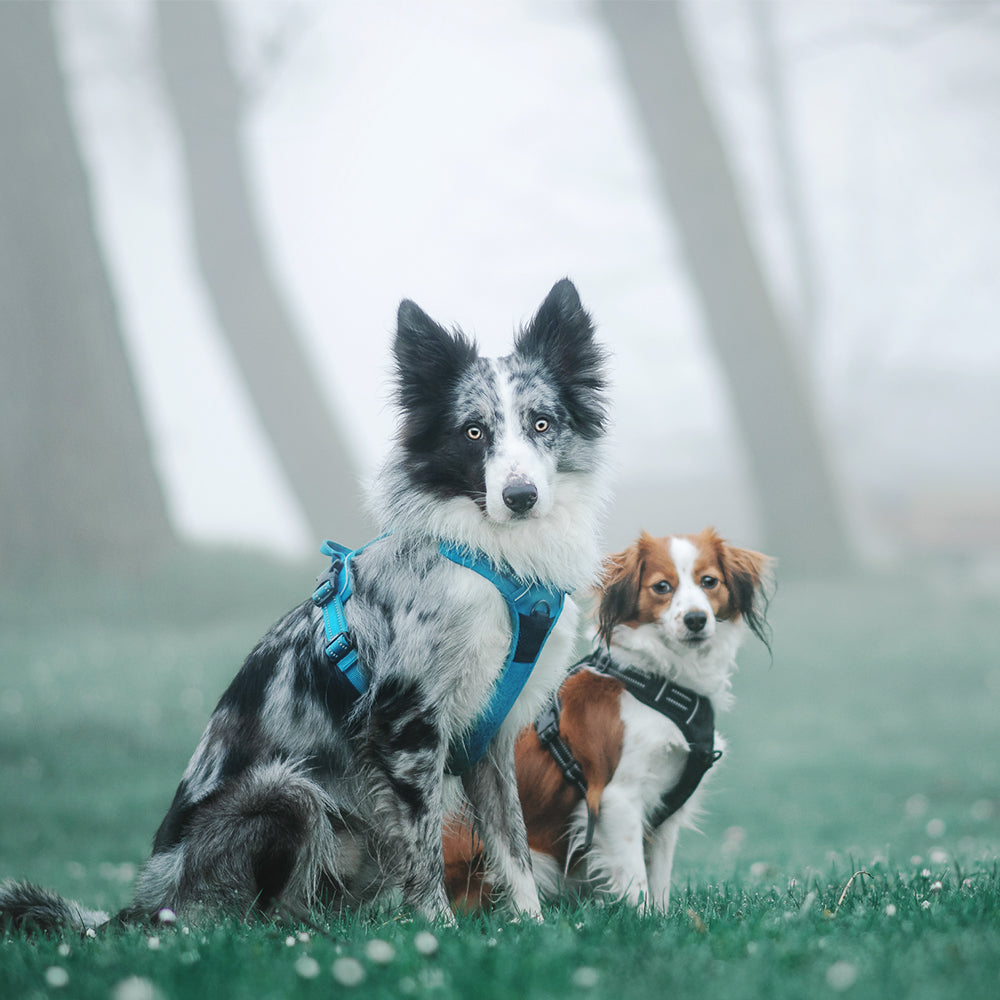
point(301, 795)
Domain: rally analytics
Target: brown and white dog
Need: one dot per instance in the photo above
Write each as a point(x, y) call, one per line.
point(672, 615)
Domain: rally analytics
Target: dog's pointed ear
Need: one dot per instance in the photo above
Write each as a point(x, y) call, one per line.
point(749, 578)
point(621, 581)
point(428, 359)
point(561, 337)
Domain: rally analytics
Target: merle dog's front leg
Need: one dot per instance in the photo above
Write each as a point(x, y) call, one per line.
point(491, 787)
point(406, 752)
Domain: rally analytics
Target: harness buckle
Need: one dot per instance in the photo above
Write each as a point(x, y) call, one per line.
point(339, 646)
point(328, 585)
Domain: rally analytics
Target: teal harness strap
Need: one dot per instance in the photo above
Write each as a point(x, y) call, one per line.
point(333, 588)
point(534, 609)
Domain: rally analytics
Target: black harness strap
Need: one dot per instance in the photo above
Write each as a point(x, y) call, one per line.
point(690, 712)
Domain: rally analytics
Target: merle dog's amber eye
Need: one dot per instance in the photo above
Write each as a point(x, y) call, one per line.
point(661, 587)
point(474, 432)
point(541, 425)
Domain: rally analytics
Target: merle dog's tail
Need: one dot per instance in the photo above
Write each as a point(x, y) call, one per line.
point(28, 907)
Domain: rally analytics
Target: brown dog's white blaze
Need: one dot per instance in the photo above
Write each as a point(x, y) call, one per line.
point(638, 584)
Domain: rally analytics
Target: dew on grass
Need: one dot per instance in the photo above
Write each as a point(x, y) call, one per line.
point(916, 806)
point(841, 976)
point(348, 971)
point(56, 976)
point(585, 977)
point(380, 952)
point(303, 937)
point(407, 986)
point(135, 988)
point(425, 943)
point(939, 856)
point(890, 909)
point(63, 950)
point(153, 943)
point(290, 941)
point(306, 966)
point(935, 828)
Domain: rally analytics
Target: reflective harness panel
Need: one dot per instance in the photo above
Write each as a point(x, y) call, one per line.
point(533, 608)
point(690, 712)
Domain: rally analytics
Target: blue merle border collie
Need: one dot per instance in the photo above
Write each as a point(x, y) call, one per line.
point(303, 795)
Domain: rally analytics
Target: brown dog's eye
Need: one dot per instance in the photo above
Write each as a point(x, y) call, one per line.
point(661, 587)
point(709, 582)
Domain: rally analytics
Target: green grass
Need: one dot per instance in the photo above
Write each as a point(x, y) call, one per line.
point(870, 743)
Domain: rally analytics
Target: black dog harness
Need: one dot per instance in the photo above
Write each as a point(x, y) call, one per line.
point(691, 713)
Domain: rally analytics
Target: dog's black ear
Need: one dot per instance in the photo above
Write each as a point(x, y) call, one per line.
point(748, 577)
point(429, 359)
point(561, 337)
point(621, 581)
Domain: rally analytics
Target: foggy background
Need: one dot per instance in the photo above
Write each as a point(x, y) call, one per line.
point(783, 218)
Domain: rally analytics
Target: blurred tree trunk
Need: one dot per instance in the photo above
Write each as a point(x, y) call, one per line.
point(807, 308)
point(207, 105)
point(796, 496)
point(77, 484)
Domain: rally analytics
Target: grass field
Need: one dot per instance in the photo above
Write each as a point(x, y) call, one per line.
point(870, 743)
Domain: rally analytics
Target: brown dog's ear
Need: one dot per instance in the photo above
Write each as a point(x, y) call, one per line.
point(748, 577)
point(620, 583)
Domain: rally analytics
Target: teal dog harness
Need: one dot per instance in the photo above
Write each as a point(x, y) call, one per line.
point(533, 608)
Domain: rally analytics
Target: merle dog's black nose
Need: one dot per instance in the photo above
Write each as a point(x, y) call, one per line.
point(520, 497)
point(695, 621)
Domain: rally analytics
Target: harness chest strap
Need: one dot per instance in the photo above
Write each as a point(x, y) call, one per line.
point(691, 713)
point(533, 610)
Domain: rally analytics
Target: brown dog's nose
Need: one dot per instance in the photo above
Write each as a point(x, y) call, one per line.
point(695, 621)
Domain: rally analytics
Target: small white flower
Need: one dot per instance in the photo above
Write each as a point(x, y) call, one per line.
point(425, 943)
point(925, 873)
point(348, 971)
point(289, 941)
point(841, 976)
point(939, 856)
point(166, 916)
point(307, 967)
point(936, 886)
point(91, 933)
point(303, 937)
point(63, 949)
point(56, 976)
point(379, 952)
point(585, 977)
point(153, 943)
point(890, 909)
point(925, 905)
